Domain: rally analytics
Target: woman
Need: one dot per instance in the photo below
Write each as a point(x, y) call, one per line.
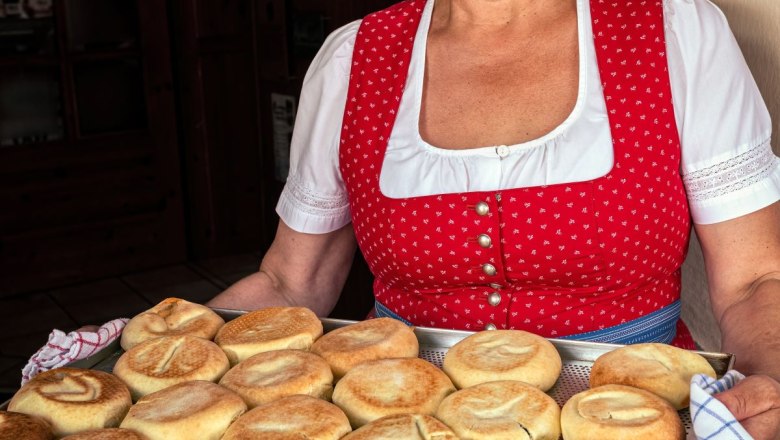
point(535, 165)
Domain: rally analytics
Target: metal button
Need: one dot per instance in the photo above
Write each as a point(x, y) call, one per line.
point(490, 326)
point(489, 269)
point(502, 151)
point(495, 286)
point(494, 299)
point(484, 240)
point(482, 208)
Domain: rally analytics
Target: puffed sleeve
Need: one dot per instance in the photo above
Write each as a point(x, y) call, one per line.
point(314, 199)
point(728, 166)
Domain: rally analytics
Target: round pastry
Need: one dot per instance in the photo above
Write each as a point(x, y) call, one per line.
point(274, 328)
point(383, 387)
point(195, 409)
point(659, 368)
point(619, 411)
point(15, 426)
point(171, 317)
point(291, 418)
point(500, 410)
point(403, 426)
point(159, 363)
point(379, 338)
point(503, 355)
point(275, 374)
point(73, 400)
point(106, 434)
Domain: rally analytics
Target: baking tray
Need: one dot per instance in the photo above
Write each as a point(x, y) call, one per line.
point(577, 357)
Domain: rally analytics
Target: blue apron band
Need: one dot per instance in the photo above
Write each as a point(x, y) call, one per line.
point(658, 326)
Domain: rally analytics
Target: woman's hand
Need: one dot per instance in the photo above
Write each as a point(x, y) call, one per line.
point(755, 402)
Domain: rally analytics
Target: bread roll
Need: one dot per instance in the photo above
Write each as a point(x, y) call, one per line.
point(659, 368)
point(382, 387)
point(403, 427)
point(291, 418)
point(503, 355)
point(501, 410)
point(274, 328)
point(275, 374)
point(106, 434)
point(74, 400)
point(380, 338)
point(190, 410)
point(16, 426)
point(619, 411)
point(159, 363)
point(171, 317)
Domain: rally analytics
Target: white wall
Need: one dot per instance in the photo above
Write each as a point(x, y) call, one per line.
point(756, 24)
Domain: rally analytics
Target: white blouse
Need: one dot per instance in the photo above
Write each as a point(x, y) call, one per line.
point(728, 166)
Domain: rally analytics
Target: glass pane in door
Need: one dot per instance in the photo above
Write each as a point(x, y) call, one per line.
point(102, 25)
point(26, 27)
point(30, 106)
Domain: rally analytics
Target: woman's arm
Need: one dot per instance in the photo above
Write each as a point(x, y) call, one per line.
point(298, 270)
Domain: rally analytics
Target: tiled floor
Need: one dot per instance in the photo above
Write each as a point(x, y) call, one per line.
point(25, 322)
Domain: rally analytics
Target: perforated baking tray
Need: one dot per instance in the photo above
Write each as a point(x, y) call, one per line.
point(577, 357)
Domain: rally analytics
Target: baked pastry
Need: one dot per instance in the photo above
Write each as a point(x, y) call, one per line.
point(291, 418)
point(171, 317)
point(379, 338)
point(161, 362)
point(383, 387)
point(619, 411)
point(659, 368)
point(275, 374)
point(405, 427)
point(106, 434)
point(15, 426)
point(500, 410)
point(73, 400)
point(503, 355)
point(195, 409)
point(273, 328)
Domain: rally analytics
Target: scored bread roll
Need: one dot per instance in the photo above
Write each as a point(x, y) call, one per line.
point(16, 426)
point(159, 363)
point(73, 400)
point(273, 328)
point(106, 434)
point(196, 409)
point(275, 374)
point(379, 338)
point(619, 411)
point(659, 368)
point(503, 355)
point(290, 418)
point(501, 410)
point(383, 387)
point(171, 317)
point(405, 427)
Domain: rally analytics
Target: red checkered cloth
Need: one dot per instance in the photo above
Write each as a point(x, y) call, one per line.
point(63, 349)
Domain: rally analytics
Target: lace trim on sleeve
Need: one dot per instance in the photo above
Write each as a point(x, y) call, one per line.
point(310, 202)
point(731, 175)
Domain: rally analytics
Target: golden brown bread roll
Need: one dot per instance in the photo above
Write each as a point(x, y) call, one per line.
point(291, 418)
point(188, 410)
point(106, 434)
point(380, 338)
point(488, 356)
point(617, 412)
point(17, 426)
point(507, 409)
point(273, 328)
point(382, 387)
point(171, 317)
point(74, 400)
point(161, 362)
point(659, 368)
point(403, 427)
point(275, 374)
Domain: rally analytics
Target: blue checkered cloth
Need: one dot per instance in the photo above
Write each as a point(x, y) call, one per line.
point(711, 419)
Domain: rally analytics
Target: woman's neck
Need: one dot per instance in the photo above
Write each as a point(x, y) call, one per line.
point(492, 15)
